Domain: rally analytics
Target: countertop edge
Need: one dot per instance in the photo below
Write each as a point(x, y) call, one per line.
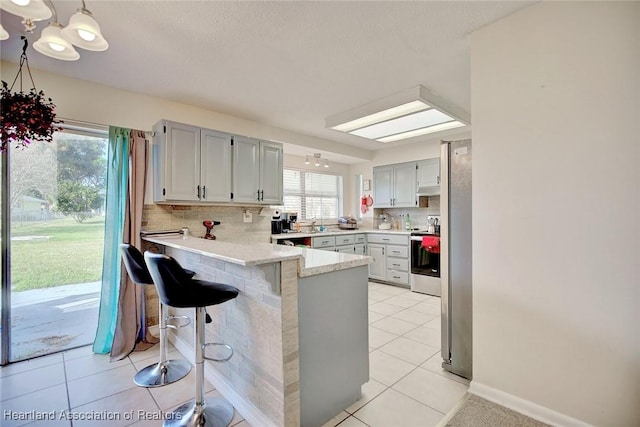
point(285, 236)
point(328, 268)
point(216, 255)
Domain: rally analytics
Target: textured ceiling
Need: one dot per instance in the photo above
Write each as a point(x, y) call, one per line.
point(286, 64)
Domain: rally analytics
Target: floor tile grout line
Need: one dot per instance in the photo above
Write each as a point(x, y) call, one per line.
point(66, 386)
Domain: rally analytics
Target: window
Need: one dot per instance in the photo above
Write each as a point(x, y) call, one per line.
point(312, 195)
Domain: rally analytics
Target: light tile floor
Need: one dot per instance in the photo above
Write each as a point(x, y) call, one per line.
point(407, 386)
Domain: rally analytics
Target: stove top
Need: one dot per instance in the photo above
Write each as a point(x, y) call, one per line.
point(422, 232)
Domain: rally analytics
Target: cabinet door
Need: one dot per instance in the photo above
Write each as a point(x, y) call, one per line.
point(429, 173)
point(246, 169)
point(383, 186)
point(215, 166)
point(349, 249)
point(404, 184)
point(361, 249)
point(378, 268)
point(270, 173)
point(181, 161)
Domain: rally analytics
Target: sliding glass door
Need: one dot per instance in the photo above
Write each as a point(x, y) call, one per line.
point(56, 208)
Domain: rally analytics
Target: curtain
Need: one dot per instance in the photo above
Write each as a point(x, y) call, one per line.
point(131, 332)
point(116, 203)
point(123, 302)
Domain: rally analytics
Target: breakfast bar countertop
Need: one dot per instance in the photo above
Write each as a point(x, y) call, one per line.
point(312, 261)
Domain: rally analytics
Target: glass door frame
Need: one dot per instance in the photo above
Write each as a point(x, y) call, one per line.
point(5, 311)
point(73, 126)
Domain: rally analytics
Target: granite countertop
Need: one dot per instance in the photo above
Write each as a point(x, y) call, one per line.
point(285, 236)
point(311, 261)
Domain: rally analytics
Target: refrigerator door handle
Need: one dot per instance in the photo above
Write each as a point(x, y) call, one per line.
point(444, 252)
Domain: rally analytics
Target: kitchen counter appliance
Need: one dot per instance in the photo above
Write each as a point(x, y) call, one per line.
point(455, 259)
point(425, 262)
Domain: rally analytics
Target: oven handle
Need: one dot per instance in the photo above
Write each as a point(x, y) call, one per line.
point(416, 238)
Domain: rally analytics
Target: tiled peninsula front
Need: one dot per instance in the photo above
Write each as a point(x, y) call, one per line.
point(298, 327)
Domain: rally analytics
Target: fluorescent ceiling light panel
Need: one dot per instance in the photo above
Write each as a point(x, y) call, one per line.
point(424, 131)
point(390, 113)
point(403, 124)
point(407, 114)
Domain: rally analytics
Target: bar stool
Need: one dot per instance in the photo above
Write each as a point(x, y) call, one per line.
point(165, 371)
point(177, 289)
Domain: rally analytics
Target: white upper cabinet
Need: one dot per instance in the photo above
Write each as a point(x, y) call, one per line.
point(383, 186)
point(271, 165)
point(429, 176)
point(404, 179)
point(191, 164)
point(395, 186)
point(257, 171)
point(215, 166)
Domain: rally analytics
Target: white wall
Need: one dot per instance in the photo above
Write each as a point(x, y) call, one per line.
point(556, 276)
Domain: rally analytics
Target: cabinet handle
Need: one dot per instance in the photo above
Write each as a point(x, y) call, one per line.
point(204, 191)
point(258, 195)
point(261, 195)
point(386, 240)
point(395, 252)
point(396, 277)
point(198, 192)
point(438, 179)
point(382, 251)
point(396, 265)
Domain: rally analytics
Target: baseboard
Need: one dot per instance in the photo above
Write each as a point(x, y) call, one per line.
point(525, 407)
point(253, 415)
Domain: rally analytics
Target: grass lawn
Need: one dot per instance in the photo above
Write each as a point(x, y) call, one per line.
point(72, 253)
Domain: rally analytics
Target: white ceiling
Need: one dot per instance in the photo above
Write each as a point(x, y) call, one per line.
point(288, 64)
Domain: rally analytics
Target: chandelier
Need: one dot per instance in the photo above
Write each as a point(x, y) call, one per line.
point(57, 41)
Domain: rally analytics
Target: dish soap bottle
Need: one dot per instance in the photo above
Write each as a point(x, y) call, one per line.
point(407, 222)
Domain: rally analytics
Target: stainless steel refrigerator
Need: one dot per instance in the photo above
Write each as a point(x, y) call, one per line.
point(455, 256)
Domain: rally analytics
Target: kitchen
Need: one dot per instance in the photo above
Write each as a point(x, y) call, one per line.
point(510, 216)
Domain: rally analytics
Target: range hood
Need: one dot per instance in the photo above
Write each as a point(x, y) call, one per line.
point(428, 191)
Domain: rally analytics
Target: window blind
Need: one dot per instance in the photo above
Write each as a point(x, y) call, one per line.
point(312, 194)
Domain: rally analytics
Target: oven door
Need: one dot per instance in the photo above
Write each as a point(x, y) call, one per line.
point(422, 262)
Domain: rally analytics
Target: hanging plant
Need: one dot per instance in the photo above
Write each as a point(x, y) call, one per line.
point(25, 117)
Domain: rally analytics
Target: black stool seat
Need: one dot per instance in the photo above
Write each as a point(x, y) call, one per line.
point(177, 289)
point(134, 263)
point(165, 371)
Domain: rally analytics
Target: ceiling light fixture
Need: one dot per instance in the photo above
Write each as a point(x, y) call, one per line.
point(408, 114)
point(55, 40)
point(318, 160)
point(3, 33)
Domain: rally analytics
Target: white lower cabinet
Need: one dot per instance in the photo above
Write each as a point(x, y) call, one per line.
point(378, 268)
point(391, 257)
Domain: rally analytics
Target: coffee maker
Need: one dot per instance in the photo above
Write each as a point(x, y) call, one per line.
point(276, 223)
point(288, 220)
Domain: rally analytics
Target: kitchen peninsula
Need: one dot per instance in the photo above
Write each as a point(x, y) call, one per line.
point(299, 327)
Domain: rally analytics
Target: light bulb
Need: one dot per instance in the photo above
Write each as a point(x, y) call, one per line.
point(55, 46)
point(86, 35)
point(306, 160)
point(21, 2)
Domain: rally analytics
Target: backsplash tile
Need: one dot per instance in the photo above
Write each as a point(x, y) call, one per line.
point(231, 229)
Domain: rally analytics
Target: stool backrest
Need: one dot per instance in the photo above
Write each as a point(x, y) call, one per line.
point(170, 279)
point(135, 265)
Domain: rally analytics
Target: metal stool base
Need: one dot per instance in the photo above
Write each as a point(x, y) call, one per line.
point(216, 412)
point(155, 376)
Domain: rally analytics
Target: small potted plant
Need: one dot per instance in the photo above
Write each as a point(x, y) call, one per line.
point(25, 117)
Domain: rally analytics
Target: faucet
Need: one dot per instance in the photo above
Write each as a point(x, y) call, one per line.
point(313, 225)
